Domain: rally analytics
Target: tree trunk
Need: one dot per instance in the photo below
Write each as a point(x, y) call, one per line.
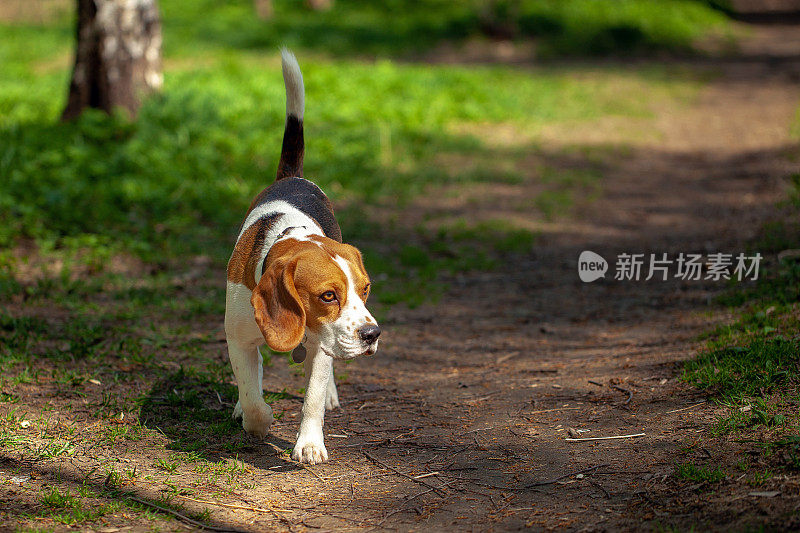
point(117, 57)
point(263, 9)
point(319, 5)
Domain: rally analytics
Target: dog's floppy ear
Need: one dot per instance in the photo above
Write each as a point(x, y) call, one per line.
point(279, 312)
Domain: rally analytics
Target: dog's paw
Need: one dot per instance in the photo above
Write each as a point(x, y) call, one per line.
point(237, 411)
point(310, 450)
point(331, 403)
point(256, 420)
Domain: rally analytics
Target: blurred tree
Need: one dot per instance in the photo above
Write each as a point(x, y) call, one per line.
point(117, 56)
point(319, 5)
point(499, 19)
point(263, 9)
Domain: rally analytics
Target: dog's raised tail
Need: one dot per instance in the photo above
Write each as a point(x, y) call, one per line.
point(293, 149)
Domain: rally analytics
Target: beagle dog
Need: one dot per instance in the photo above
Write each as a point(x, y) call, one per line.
point(293, 285)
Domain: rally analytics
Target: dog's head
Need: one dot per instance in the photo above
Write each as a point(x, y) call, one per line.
point(317, 286)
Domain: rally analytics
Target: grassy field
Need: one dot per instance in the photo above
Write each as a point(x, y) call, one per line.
point(177, 180)
point(114, 233)
point(750, 366)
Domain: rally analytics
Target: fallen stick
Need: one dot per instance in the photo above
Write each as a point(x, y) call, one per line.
point(599, 486)
point(275, 512)
point(559, 478)
point(554, 410)
point(403, 474)
point(476, 430)
point(607, 438)
point(685, 408)
point(414, 497)
point(613, 472)
point(630, 393)
point(278, 449)
point(234, 506)
point(429, 474)
point(504, 358)
point(307, 469)
point(183, 517)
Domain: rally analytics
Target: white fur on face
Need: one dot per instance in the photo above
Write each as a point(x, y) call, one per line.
point(340, 338)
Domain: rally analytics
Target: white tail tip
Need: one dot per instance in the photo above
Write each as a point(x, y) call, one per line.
point(293, 80)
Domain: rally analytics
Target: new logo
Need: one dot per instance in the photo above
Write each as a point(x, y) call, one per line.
point(591, 266)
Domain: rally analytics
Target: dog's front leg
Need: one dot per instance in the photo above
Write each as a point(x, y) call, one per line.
point(310, 445)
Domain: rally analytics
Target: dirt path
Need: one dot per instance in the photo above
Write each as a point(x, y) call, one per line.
point(475, 395)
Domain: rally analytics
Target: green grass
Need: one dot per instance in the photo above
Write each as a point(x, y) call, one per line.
point(177, 180)
point(751, 365)
point(735, 373)
point(403, 27)
point(760, 413)
point(68, 509)
point(759, 352)
point(699, 473)
point(212, 139)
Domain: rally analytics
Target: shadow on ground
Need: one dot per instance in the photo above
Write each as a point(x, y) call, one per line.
point(194, 412)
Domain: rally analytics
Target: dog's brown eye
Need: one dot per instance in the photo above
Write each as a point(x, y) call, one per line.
point(327, 296)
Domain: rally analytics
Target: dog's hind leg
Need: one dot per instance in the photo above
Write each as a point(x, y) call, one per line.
point(332, 395)
point(255, 413)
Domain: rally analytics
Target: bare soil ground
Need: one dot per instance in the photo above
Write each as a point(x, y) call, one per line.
point(459, 422)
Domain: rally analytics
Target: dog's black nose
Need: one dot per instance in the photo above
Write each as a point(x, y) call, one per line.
point(369, 333)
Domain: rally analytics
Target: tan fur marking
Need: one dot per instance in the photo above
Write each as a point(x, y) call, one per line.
point(353, 257)
point(247, 252)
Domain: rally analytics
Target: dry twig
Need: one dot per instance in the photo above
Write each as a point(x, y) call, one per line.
point(601, 487)
point(629, 393)
point(553, 410)
point(307, 469)
point(414, 497)
point(234, 506)
point(633, 435)
point(559, 478)
point(403, 474)
point(686, 408)
point(275, 512)
point(183, 517)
